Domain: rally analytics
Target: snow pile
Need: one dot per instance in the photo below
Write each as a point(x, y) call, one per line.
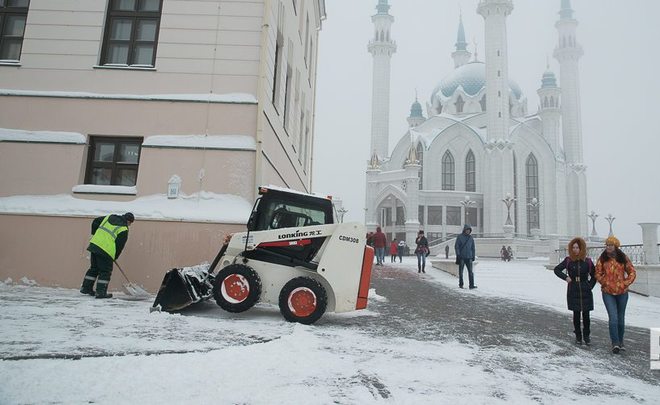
point(29, 282)
point(202, 207)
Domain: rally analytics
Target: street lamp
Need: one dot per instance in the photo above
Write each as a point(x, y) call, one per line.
point(534, 226)
point(508, 201)
point(467, 203)
point(610, 219)
point(593, 217)
point(341, 211)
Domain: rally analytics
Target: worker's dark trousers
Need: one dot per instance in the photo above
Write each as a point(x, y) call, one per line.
point(100, 271)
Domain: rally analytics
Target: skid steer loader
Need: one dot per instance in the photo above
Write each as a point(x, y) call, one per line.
point(293, 255)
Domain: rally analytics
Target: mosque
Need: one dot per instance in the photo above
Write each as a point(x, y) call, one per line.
point(478, 156)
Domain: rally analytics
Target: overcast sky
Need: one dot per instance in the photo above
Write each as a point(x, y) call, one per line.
point(620, 85)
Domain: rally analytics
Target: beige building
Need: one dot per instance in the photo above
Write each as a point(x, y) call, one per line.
point(175, 110)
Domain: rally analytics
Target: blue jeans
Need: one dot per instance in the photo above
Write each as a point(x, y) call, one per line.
point(616, 312)
point(467, 263)
point(380, 255)
point(421, 261)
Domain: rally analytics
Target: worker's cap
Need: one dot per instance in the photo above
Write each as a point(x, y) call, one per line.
point(129, 217)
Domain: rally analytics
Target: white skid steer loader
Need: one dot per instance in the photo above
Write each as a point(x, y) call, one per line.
point(293, 255)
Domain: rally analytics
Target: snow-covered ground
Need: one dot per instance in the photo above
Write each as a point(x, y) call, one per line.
point(58, 346)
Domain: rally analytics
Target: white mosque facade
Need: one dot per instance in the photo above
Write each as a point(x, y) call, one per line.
point(479, 156)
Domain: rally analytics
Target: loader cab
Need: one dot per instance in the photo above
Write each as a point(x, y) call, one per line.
point(277, 209)
point(280, 208)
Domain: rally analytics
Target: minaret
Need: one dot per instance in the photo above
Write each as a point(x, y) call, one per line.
point(461, 55)
point(549, 110)
point(568, 53)
point(499, 162)
point(381, 47)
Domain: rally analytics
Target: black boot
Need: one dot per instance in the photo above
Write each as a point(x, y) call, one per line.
point(87, 287)
point(423, 265)
point(102, 290)
point(578, 337)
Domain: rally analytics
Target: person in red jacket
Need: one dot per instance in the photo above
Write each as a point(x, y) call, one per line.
point(380, 241)
point(393, 250)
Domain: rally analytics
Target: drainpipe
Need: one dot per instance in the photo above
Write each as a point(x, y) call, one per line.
point(261, 99)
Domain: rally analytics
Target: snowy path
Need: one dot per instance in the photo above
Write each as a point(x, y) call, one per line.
point(422, 340)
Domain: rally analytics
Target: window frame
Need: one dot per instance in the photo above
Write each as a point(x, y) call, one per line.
point(532, 188)
point(448, 171)
point(470, 172)
point(6, 11)
point(135, 16)
point(114, 166)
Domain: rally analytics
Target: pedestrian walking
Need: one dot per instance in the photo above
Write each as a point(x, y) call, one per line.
point(421, 251)
point(615, 273)
point(446, 251)
point(401, 247)
point(579, 273)
point(380, 241)
point(394, 248)
point(465, 253)
point(109, 236)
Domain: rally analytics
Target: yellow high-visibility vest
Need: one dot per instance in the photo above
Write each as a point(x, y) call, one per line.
point(105, 236)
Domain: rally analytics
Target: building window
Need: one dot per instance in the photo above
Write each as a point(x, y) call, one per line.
point(454, 216)
point(288, 83)
point(400, 216)
point(470, 172)
point(459, 105)
point(131, 33)
point(448, 171)
point(471, 216)
point(483, 103)
point(435, 215)
point(420, 214)
point(532, 180)
point(13, 14)
point(113, 161)
point(420, 159)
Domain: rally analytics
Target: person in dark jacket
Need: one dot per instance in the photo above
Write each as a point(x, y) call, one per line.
point(579, 273)
point(109, 236)
point(380, 242)
point(421, 251)
point(465, 253)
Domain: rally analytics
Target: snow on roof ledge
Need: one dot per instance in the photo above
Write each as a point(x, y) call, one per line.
point(236, 142)
point(230, 98)
point(19, 135)
point(198, 207)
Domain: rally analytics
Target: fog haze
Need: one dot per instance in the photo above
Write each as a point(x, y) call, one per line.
point(619, 90)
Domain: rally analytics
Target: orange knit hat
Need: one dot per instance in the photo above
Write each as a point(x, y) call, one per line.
point(612, 241)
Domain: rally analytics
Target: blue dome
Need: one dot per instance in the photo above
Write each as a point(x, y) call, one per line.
point(549, 79)
point(472, 77)
point(416, 110)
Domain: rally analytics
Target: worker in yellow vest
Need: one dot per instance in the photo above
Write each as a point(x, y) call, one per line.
point(109, 236)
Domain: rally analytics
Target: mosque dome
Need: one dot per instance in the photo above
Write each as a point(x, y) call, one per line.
point(472, 77)
point(549, 79)
point(416, 110)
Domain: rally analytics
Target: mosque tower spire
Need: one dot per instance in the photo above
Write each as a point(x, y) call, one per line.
point(461, 55)
point(382, 47)
point(568, 53)
point(500, 154)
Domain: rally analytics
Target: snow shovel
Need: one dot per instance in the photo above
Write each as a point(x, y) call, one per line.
point(131, 289)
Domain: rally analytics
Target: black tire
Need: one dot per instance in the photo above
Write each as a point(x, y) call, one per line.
point(303, 300)
point(236, 288)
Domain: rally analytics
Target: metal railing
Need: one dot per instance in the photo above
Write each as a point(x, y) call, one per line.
point(635, 253)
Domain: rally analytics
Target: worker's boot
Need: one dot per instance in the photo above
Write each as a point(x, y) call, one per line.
point(87, 286)
point(102, 289)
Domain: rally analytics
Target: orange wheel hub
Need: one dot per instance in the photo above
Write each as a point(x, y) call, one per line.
point(302, 302)
point(235, 288)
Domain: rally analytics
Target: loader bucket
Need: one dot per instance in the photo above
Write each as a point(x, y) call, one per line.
point(183, 287)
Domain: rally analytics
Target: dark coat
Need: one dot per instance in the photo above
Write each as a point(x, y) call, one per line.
point(120, 242)
point(464, 245)
point(422, 245)
point(583, 276)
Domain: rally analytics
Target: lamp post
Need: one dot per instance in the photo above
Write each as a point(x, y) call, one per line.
point(610, 219)
point(535, 230)
point(508, 225)
point(341, 211)
point(592, 215)
point(467, 203)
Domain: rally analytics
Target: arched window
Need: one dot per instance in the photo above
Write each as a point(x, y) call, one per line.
point(448, 171)
point(545, 102)
point(420, 158)
point(470, 172)
point(552, 102)
point(387, 36)
point(483, 103)
point(459, 104)
point(532, 184)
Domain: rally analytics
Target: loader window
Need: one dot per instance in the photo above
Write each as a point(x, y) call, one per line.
point(276, 214)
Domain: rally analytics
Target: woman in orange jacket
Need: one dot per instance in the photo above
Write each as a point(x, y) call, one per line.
point(615, 272)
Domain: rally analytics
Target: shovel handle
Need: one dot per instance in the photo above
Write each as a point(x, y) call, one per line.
point(122, 271)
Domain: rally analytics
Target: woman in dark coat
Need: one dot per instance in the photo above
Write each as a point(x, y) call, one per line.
point(579, 273)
